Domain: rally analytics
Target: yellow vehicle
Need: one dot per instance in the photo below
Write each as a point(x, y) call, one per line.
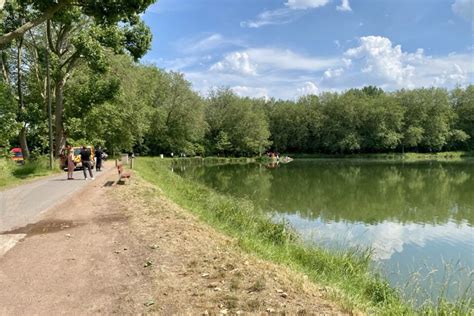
point(77, 157)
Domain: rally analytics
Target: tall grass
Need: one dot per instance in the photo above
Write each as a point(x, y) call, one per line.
point(11, 173)
point(346, 273)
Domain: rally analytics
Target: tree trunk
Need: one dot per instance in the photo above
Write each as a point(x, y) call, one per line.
point(60, 138)
point(23, 143)
point(21, 105)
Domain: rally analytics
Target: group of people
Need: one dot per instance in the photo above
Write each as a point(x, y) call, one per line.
point(86, 156)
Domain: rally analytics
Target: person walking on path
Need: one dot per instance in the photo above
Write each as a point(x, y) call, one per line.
point(70, 163)
point(86, 162)
point(98, 157)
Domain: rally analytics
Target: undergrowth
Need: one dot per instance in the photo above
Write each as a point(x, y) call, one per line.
point(12, 173)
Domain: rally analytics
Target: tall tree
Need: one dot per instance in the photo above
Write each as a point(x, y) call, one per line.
point(103, 11)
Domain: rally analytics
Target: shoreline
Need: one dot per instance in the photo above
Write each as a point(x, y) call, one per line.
point(355, 286)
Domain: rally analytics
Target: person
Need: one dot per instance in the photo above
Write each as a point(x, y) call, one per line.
point(98, 156)
point(70, 162)
point(86, 162)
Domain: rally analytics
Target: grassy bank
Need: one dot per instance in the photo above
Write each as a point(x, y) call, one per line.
point(407, 157)
point(12, 174)
point(346, 273)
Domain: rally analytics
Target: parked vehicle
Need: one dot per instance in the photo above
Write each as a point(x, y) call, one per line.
point(17, 155)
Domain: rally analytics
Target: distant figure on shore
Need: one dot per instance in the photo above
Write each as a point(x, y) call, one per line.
point(70, 162)
point(98, 156)
point(86, 162)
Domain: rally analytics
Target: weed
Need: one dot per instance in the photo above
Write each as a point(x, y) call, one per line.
point(259, 285)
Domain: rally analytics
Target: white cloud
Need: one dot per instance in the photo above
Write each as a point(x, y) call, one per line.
point(206, 43)
point(294, 9)
point(308, 88)
point(464, 8)
point(272, 59)
point(272, 17)
point(264, 60)
point(252, 92)
point(385, 60)
point(238, 62)
point(305, 4)
point(386, 65)
point(331, 73)
point(345, 6)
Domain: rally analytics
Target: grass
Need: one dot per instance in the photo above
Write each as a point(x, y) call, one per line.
point(12, 174)
point(346, 272)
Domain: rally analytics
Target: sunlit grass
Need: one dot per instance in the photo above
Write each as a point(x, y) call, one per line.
point(12, 173)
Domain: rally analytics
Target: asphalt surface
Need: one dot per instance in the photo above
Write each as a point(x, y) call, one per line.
point(25, 204)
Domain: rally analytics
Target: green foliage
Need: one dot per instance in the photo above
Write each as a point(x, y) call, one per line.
point(241, 120)
point(11, 173)
point(8, 124)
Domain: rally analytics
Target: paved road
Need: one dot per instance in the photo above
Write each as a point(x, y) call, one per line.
point(24, 204)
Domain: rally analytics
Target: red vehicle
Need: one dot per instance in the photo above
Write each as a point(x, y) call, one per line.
point(17, 155)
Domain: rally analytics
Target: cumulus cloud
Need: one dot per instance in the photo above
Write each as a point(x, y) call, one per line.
point(252, 92)
point(464, 8)
point(235, 62)
point(383, 63)
point(332, 73)
point(345, 6)
point(385, 60)
point(308, 88)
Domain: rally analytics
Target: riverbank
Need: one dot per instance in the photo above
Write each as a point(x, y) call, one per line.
point(346, 273)
point(354, 286)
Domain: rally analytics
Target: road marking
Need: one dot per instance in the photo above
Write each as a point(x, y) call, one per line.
point(7, 242)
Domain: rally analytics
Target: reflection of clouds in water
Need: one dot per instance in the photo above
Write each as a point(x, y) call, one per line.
point(385, 238)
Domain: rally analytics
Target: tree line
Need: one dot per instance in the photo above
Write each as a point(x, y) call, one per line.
point(102, 96)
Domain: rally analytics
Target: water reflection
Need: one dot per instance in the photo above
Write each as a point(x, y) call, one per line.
point(415, 216)
point(356, 192)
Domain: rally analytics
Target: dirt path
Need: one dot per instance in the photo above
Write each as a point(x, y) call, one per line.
point(126, 250)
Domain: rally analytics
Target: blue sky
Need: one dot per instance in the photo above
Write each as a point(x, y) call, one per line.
point(288, 48)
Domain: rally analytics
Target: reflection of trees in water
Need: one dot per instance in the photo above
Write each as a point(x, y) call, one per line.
point(352, 191)
point(251, 181)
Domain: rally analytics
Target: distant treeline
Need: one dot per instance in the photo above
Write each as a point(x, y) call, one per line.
point(140, 108)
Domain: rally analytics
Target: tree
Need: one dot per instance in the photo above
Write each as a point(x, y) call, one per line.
point(462, 100)
point(178, 122)
point(74, 38)
point(103, 11)
point(8, 124)
point(243, 120)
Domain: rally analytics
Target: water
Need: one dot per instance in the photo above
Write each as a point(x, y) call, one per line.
point(417, 217)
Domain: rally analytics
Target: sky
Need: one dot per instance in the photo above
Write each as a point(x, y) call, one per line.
point(289, 48)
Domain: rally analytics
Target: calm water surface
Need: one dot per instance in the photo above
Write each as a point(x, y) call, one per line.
point(417, 217)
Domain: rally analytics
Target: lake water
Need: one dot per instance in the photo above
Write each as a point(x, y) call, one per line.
point(417, 217)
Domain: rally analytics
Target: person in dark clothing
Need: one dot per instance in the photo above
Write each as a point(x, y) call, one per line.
point(86, 162)
point(98, 156)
